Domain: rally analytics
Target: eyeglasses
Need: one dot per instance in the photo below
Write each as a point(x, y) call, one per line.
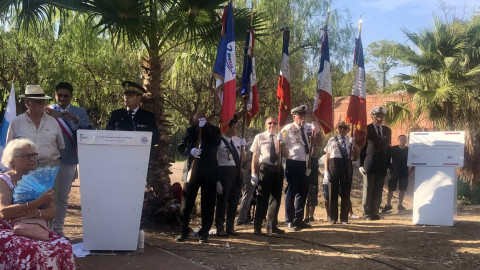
point(62, 95)
point(28, 156)
point(272, 123)
point(343, 127)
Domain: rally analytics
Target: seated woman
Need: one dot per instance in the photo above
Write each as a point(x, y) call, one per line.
point(19, 252)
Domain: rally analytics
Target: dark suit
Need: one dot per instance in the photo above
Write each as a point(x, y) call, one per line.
point(374, 159)
point(143, 120)
point(205, 175)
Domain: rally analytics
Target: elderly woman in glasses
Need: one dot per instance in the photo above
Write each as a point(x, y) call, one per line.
point(19, 252)
point(338, 171)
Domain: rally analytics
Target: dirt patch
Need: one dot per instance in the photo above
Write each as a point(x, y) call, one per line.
point(390, 243)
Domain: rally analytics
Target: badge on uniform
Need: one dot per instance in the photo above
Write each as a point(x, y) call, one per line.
point(141, 126)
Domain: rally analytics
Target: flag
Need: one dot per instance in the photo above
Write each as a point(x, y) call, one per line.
point(249, 78)
point(10, 114)
point(224, 68)
point(357, 108)
point(283, 88)
point(322, 105)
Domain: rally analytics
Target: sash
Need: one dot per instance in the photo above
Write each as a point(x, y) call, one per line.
point(65, 128)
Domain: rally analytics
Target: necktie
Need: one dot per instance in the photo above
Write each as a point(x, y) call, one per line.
point(379, 131)
point(304, 139)
point(235, 156)
point(273, 151)
point(130, 114)
point(343, 149)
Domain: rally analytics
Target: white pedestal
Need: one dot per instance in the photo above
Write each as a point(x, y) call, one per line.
point(113, 170)
point(435, 196)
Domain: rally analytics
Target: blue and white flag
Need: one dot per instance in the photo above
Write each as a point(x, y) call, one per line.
point(10, 114)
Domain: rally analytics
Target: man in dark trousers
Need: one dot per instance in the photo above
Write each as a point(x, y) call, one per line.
point(133, 118)
point(267, 173)
point(199, 145)
point(374, 162)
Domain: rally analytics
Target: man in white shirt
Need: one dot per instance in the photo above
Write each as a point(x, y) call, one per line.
point(267, 173)
point(294, 139)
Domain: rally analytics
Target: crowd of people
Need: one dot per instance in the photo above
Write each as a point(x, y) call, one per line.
point(238, 171)
point(228, 170)
point(45, 136)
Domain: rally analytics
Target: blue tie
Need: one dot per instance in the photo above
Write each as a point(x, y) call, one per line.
point(343, 149)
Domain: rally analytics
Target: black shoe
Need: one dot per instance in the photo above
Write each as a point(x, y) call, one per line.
point(242, 222)
point(182, 237)
point(302, 225)
point(291, 227)
point(232, 233)
point(277, 230)
point(401, 208)
point(311, 219)
point(367, 218)
point(222, 234)
point(258, 232)
point(386, 208)
point(306, 220)
point(375, 217)
point(203, 239)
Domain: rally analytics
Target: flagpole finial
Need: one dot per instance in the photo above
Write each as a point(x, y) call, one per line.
point(360, 21)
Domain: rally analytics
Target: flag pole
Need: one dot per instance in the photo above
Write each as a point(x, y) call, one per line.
point(360, 21)
point(280, 158)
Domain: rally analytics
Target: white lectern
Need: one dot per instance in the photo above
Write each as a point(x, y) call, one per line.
point(113, 171)
point(435, 156)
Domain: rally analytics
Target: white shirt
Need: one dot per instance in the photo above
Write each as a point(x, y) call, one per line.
point(48, 137)
point(333, 149)
point(261, 146)
point(294, 142)
point(224, 156)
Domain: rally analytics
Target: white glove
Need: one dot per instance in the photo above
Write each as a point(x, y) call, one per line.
point(195, 152)
point(362, 171)
point(219, 188)
point(243, 142)
point(202, 122)
point(280, 137)
point(254, 179)
point(326, 177)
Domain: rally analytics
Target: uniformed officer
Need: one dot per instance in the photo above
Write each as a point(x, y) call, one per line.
point(338, 171)
point(133, 118)
point(269, 177)
point(294, 138)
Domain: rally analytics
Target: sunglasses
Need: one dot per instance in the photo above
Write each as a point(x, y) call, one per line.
point(62, 95)
point(343, 127)
point(28, 156)
point(272, 123)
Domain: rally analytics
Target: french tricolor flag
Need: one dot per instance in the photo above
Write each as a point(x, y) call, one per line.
point(357, 108)
point(10, 114)
point(322, 105)
point(283, 88)
point(249, 78)
point(224, 68)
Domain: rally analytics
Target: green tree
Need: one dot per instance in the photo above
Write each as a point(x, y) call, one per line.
point(445, 82)
point(384, 54)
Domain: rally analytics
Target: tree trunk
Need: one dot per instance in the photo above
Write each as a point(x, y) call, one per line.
point(157, 195)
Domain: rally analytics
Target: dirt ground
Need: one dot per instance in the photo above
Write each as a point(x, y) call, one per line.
point(390, 243)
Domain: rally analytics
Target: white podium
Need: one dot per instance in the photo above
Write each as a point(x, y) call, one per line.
point(113, 170)
point(435, 156)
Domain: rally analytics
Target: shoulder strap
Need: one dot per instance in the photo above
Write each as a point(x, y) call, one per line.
point(235, 156)
point(7, 180)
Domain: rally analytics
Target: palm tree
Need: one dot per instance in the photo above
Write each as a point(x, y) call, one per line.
point(445, 82)
point(158, 27)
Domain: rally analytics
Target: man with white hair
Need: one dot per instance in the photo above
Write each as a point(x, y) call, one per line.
point(374, 162)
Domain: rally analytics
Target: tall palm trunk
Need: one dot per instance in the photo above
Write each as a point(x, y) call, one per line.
point(158, 192)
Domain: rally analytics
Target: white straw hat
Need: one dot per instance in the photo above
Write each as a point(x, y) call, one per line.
point(35, 92)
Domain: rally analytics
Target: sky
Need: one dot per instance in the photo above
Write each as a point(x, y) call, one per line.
point(384, 19)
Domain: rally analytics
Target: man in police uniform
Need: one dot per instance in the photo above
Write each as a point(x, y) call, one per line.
point(294, 139)
point(269, 177)
point(374, 162)
point(133, 118)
